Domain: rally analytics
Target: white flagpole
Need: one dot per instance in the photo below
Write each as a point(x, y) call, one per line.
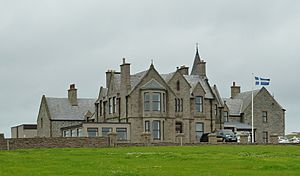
point(252, 111)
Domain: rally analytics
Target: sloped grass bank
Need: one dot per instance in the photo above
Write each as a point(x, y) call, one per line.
point(188, 160)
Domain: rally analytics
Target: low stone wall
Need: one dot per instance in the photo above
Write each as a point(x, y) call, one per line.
point(57, 142)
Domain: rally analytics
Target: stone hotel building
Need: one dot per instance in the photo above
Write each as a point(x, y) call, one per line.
point(163, 106)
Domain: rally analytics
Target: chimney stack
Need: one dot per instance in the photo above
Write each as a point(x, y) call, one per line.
point(235, 90)
point(72, 95)
point(125, 77)
point(184, 70)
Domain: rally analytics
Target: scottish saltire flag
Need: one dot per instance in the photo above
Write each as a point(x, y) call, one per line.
point(262, 81)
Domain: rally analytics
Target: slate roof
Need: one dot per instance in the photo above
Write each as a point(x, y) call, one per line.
point(237, 125)
point(60, 108)
point(193, 81)
point(240, 102)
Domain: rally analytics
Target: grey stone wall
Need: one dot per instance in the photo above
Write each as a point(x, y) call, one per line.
point(43, 120)
point(275, 124)
point(59, 142)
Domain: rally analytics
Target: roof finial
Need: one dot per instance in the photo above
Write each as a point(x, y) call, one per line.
point(197, 45)
point(151, 61)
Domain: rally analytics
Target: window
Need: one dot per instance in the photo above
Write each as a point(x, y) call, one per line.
point(265, 116)
point(265, 137)
point(73, 133)
point(67, 133)
point(199, 104)
point(64, 133)
point(121, 133)
point(152, 101)
point(100, 108)
point(147, 101)
point(178, 127)
point(110, 105)
point(155, 101)
point(181, 105)
point(216, 110)
point(164, 102)
point(199, 130)
point(79, 132)
point(178, 105)
point(105, 131)
point(225, 114)
point(178, 85)
point(156, 130)
point(147, 126)
point(92, 132)
point(176, 108)
point(114, 105)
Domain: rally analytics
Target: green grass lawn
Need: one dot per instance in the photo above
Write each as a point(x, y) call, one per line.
point(198, 160)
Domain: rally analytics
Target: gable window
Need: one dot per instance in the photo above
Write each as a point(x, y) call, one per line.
point(147, 126)
point(92, 132)
point(178, 85)
point(265, 137)
point(110, 104)
point(199, 130)
point(265, 116)
point(100, 108)
point(178, 104)
point(178, 127)
point(225, 114)
point(152, 101)
point(199, 103)
point(105, 131)
point(121, 133)
point(216, 110)
point(156, 130)
point(114, 105)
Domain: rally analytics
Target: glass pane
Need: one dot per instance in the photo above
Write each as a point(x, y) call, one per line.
point(105, 131)
point(199, 126)
point(121, 133)
point(147, 106)
point(156, 97)
point(92, 132)
point(156, 125)
point(156, 106)
point(147, 97)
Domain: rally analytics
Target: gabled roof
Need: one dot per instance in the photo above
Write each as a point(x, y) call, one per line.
point(217, 95)
point(240, 102)
point(61, 109)
point(194, 79)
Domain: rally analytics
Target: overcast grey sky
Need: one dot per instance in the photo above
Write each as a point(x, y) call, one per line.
point(46, 45)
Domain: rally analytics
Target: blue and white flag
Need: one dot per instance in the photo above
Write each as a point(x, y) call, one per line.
point(262, 81)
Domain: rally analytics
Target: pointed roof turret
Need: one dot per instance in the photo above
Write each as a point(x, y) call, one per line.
point(197, 60)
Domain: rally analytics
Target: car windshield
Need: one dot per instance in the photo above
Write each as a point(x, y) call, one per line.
point(228, 133)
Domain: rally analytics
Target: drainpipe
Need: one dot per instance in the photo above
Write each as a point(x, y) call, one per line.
point(211, 116)
point(126, 109)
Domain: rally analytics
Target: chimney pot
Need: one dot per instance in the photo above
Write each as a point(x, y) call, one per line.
point(72, 86)
point(124, 61)
point(233, 83)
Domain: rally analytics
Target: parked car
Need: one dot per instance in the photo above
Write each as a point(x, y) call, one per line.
point(226, 135)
